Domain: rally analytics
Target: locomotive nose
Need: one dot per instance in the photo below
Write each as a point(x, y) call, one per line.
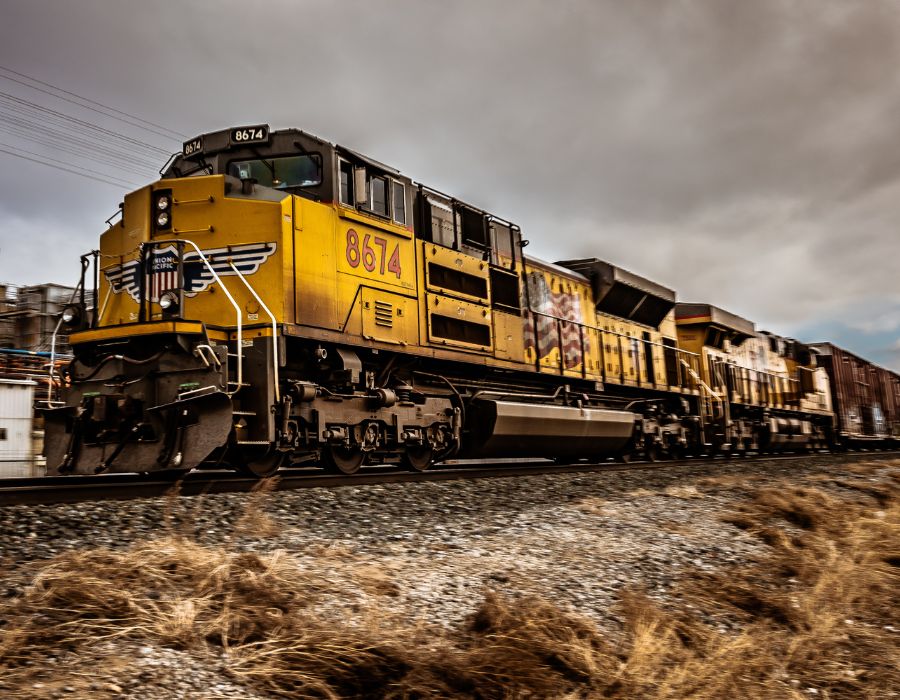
point(159, 404)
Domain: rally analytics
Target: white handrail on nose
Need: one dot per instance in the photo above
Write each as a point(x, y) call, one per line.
point(265, 308)
point(51, 371)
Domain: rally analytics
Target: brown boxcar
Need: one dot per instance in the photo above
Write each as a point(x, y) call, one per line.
point(889, 397)
point(865, 397)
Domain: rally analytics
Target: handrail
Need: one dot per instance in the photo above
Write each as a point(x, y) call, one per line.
point(710, 391)
point(105, 302)
point(699, 380)
point(237, 309)
point(611, 332)
point(265, 308)
point(51, 372)
point(680, 353)
point(765, 372)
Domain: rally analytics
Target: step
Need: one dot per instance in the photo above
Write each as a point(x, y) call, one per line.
point(253, 442)
point(244, 413)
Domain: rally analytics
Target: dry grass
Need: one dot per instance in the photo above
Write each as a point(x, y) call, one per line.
point(685, 492)
point(730, 480)
point(820, 612)
point(592, 505)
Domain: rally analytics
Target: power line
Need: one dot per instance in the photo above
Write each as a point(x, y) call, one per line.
point(48, 136)
point(42, 117)
point(171, 135)
point(75, 150)
point(38, 132)
point(63, 133)
point(58, 166)
point(74, 165)
point(86, 125)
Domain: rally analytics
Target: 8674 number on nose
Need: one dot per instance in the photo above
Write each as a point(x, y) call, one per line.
point(372, 253)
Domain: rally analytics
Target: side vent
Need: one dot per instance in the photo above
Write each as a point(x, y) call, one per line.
point(457, 281)
point(384, 314)
point(390, 318)
point(505, 291)
point(455, 322)
point(460, 331)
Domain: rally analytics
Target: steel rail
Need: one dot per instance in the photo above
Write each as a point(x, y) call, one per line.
point(77, 488)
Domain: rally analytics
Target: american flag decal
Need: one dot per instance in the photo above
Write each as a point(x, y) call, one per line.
point(556, 322)
point(163, 273)
point(162, 269)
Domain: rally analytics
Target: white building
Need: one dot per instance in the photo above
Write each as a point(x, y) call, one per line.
point(17, 438)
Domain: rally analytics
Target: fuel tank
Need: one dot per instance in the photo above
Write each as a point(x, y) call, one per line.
point(787, 433)
point(518, 429)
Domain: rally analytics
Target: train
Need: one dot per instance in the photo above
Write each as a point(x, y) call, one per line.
point(276, 299)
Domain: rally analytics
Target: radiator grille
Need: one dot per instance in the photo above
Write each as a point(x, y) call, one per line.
point(384, 314)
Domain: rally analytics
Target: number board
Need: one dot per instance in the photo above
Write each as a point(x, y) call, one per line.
point(250, 134)
point(192, 147)
point(383, 257)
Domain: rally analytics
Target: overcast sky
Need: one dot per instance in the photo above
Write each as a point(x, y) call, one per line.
point(745, 153)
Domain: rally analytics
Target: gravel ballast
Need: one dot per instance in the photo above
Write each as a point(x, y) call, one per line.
point(432, 549)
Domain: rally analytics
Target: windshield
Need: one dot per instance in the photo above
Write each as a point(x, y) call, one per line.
point(286, 171)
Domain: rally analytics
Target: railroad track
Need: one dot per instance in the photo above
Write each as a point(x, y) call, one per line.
point(72, 489)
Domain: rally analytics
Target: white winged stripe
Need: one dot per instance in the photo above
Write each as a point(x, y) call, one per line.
point(197, 276)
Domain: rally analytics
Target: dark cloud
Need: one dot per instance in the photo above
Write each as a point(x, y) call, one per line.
point(741, 152)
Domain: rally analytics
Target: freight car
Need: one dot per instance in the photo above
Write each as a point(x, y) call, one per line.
point(866, 399)
point(277, 298)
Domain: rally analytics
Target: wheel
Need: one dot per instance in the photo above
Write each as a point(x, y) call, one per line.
point(623, 457)
point(263, 465)
point(417, 458)
point(651, 452)
point(345, 460)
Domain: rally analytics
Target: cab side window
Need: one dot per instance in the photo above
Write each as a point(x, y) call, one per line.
point(398, 191)
point(347, 184)
point(371, 191)
point(378, 201)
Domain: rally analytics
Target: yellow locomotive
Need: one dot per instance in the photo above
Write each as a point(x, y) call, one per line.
point(275, 298)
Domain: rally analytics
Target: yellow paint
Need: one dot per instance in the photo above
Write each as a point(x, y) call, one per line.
point(203, 214)
point(154, 328)
point(367, 281)
point(509, 343)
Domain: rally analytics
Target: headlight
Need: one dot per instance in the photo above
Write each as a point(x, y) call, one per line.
point(71, 315)
point(162, 204)
point(168, 301)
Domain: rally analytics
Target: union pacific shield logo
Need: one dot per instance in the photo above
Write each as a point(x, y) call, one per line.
point(163, 273)
point(162, 269)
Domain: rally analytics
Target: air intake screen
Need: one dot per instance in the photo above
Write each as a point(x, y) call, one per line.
point(505, 290)
point(456, 281)
point(460, 331)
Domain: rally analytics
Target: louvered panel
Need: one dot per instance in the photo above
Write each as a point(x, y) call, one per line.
point(389, 317)
point(384, 314)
